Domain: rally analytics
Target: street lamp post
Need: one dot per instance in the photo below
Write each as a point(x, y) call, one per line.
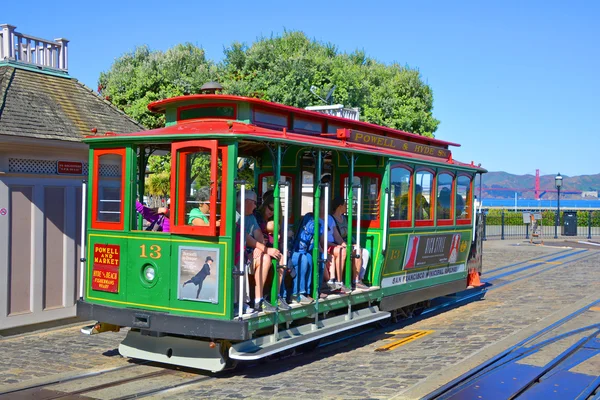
point(558, 184)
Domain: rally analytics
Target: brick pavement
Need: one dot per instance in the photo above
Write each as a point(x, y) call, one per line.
point(354, 369)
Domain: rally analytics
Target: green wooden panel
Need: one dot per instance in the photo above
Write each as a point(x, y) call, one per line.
point(194, 292)
point(149, 252)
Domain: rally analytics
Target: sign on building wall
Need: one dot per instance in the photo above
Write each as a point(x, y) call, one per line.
point(69, 168)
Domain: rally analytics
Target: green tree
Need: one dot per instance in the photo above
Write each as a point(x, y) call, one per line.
point(283, 68)
point(143, 76)
point(280, 69)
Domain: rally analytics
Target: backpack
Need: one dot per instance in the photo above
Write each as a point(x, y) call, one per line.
point(303, 241)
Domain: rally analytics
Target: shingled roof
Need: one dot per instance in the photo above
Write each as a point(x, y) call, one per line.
point(41, 105)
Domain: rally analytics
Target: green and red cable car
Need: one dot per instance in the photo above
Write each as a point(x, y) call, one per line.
point(411, 205)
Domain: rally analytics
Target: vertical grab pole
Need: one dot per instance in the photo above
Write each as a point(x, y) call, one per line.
point(82, 259)
point(350, 203)
point(286, 211)
point(242, 250)
point(326, 224)
point(276, 225)
point(358, 207)
point(316, 275)
point(385, 219)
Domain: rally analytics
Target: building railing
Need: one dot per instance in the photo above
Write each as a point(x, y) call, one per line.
point(508, 224)
point(15, 46)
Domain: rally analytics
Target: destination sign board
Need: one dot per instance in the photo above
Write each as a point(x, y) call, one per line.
point(395, 144)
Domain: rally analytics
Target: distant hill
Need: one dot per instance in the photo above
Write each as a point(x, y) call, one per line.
point(504, 185)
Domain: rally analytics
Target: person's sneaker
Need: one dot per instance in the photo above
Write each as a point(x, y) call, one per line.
point(249, 311)
point(343, 289)
point(283, 305)
point(265, 306)
point(333, 285)
point(359, 286)
point(305, 300)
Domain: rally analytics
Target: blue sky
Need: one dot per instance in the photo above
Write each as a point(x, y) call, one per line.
point(516, 83)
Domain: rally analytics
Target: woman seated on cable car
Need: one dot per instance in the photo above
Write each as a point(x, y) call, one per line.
point(264, 216)
point(200, 216)
point(339, 209)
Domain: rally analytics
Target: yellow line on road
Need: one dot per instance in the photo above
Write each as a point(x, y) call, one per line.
point(595, 308)
point(552, 262)
point(412, 336)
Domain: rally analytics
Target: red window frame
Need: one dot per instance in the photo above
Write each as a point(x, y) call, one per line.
point(432, 202)
point(445, 221)
point(372, 223)
point(293, 186)
point(179, 151)
point(469, 202)
point(211, 105)
point(224, 171)
point(120, 151)
point(404, 223)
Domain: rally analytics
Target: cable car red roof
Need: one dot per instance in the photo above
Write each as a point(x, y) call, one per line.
point(161, 105)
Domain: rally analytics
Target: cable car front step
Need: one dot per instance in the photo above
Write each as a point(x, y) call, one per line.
point(265, 346)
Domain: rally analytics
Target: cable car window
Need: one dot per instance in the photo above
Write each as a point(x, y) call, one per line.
point(369, 184)
point(463, 197)
point(307, 125)
point(195, 186)
point(423, 200)
point(401, 199)
point(444, 196)
point(207, 111)
point(270, 119)
point(267, 184)
point(108, 189)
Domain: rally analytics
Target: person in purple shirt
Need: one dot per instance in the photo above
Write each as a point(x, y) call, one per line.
point(159, 219)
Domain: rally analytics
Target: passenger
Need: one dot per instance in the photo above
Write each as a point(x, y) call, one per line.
point(422, 205)
point(200, 216)
point(159, 219)
point(264, 216)
point(339, 209)
point(302, 261)
point(443, 204)
point(336, 247)
point(258, 254)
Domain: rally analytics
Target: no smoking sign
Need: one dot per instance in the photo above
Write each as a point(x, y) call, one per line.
point(3, 211)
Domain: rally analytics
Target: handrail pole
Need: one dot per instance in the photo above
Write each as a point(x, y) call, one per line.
point(350, 204)
point(286, 192)
point(82, 259)
point(276, 225)
point(315, 255)
point(385, 219)
point(242, 249)
point(326, 224)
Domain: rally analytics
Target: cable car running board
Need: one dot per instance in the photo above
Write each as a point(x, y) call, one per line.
point(265, 346)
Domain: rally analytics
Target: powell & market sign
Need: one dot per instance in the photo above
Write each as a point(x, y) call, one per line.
point(395, 144)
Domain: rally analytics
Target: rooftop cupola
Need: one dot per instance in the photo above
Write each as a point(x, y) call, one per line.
point(211, 87)
point(33, 51)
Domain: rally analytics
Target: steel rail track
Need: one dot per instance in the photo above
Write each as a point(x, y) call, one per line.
point(516, 351)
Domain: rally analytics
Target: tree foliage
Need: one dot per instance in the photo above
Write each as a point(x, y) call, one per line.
point(280, 69)
point(143, 76)
point(283, 68)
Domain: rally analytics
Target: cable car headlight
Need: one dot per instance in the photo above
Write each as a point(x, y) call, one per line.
point(149, 273)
